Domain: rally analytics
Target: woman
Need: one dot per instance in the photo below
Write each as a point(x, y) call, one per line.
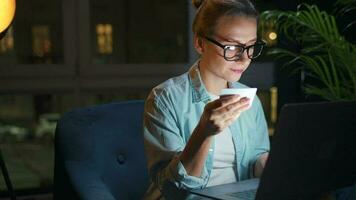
point(193, 137)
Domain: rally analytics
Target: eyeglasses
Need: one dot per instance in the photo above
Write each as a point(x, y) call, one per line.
point(234, 52)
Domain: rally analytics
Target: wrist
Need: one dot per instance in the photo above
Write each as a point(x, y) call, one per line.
point(202, 132)
point(260, 165)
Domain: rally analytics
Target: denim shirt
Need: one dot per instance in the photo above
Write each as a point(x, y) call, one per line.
point(172, 111)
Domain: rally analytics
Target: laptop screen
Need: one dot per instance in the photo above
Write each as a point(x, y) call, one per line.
point(313, 151)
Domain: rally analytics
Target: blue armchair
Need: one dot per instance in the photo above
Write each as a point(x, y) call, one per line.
point(99, 153)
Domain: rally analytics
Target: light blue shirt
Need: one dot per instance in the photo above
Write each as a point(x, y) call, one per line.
point(172, 111)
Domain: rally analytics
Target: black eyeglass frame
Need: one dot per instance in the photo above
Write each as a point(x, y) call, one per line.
point(237, 56)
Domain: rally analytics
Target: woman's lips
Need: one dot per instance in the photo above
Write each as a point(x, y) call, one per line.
point(237, 71)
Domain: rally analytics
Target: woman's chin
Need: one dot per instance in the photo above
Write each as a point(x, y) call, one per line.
point(234, 78)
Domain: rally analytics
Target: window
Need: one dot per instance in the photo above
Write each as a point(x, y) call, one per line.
point(36, 34)
point(41, 43)
point(59, 55)
point(7, 43)
point(104, 38)
point(144, 31)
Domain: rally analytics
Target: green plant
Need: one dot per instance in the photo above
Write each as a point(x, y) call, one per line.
point(323, 54)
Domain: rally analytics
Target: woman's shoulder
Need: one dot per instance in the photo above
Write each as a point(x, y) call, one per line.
point(172, 86)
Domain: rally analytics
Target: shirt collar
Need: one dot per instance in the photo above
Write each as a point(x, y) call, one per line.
point(198, 88)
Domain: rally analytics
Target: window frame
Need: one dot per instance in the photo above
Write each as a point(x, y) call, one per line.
point(77, 74)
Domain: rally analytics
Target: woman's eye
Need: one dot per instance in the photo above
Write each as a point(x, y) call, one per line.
point(232, 48)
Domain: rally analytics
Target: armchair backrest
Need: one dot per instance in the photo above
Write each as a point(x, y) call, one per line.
point(99, 153)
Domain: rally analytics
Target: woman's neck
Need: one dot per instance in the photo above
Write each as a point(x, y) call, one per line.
point(213, 83)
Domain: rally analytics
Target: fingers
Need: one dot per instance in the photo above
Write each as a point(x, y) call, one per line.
point(232, 109)
point(230, 117)
point(227, 114)
point(224, 101)
point(237, 111)
point(220, 113)
point(227, 118)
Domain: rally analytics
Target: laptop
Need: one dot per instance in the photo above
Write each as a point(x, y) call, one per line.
point(313, 151)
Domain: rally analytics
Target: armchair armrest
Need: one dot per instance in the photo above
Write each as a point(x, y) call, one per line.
point(87, 182)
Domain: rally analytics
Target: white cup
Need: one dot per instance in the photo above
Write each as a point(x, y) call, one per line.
point(243, 92)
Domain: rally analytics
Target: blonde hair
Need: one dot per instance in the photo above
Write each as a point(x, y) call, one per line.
point(210, 11)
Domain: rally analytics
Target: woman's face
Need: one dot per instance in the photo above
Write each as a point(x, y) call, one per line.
point(230, 30)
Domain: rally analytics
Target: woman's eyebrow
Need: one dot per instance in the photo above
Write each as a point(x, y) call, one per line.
point(239, 42)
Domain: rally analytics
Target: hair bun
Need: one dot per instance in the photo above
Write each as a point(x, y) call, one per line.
point(197, 3)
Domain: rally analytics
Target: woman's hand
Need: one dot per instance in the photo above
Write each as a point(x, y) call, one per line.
point(220, 113)
point(216, 117)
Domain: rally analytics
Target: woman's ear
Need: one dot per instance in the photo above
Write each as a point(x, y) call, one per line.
point(198, 44)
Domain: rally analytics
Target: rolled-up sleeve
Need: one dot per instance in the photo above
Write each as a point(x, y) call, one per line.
point(261, 139)
point(163, 145)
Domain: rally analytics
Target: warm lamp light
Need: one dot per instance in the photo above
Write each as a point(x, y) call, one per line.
point(272, 35)
point(7, 12)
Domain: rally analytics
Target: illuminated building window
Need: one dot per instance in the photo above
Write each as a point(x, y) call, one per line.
point(41, 42)
point(104, 38)
point(7, 43)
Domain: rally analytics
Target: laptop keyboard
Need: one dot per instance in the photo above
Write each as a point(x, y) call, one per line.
point(248, 194)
